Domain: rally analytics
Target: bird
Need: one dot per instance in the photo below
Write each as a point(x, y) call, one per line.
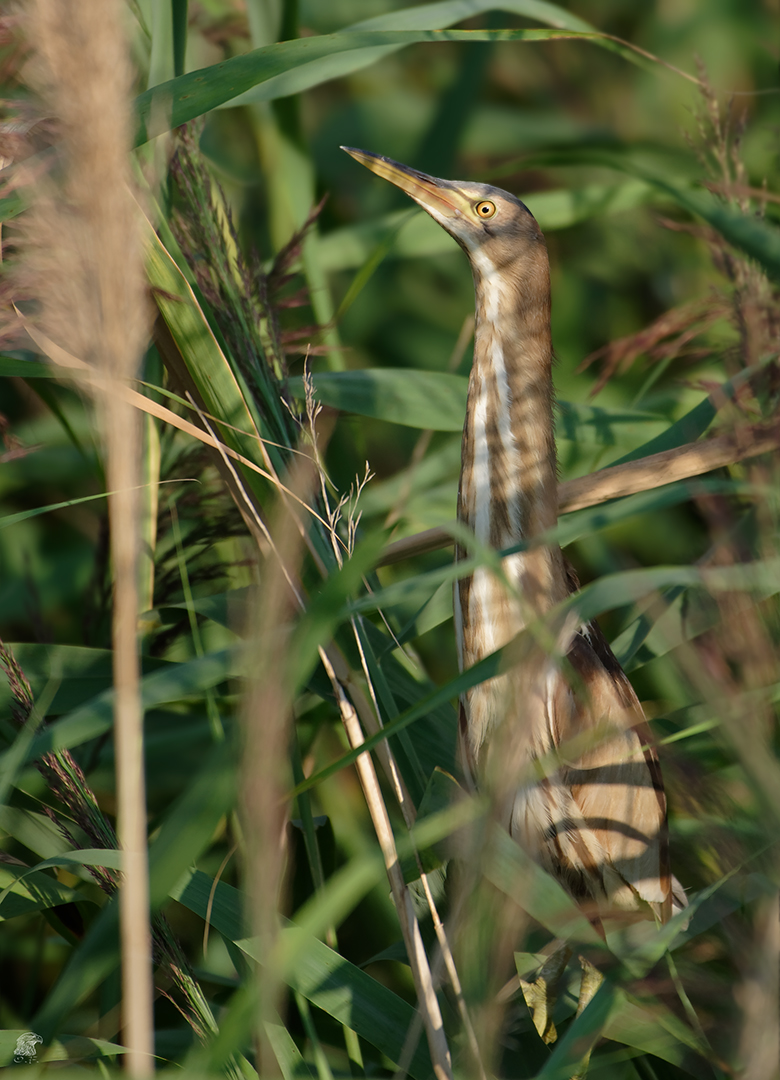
point(559, 737)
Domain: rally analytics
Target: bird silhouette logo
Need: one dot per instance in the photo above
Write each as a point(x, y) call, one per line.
point(25, 1049)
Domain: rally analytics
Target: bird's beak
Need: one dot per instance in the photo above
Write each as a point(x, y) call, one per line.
point(432, 195)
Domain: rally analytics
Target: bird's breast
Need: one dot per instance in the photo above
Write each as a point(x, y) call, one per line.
point(508, 485)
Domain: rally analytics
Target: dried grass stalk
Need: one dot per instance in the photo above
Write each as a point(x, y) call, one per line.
point(265, 774)
point(618, 481)
point(421, 972)
point(83, 259)
point(671, 335)
point(758, 997)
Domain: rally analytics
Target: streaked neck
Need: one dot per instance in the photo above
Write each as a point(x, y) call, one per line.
point(508, 489)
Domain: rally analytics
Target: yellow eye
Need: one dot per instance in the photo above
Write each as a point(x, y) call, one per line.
point(485, 209)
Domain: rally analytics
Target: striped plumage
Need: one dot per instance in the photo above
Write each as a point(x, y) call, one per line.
point(595, 816)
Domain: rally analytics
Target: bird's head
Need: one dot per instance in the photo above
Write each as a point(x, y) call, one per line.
point(493, 227)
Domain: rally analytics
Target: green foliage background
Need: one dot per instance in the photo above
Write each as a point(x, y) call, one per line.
point(612, 151)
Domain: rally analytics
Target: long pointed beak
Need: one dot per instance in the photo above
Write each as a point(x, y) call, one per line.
point(439, 197)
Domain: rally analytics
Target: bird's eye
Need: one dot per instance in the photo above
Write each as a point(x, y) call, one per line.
point(485, 209)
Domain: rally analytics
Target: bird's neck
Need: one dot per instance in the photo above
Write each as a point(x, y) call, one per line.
point(508, 488)
point(508, 484)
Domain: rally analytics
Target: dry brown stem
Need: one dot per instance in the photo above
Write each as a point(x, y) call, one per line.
point(616, 482)
point(371, 719)
point(759, 994)
point(666, 337)
point(265, 780)
point(83, 259)
point(426, 995)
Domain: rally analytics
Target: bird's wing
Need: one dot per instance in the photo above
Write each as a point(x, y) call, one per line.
point(615, 781)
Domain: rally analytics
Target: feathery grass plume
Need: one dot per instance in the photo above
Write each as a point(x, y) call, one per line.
point(741, 650)
point(732, 667)
point(747, 299)
point(754, 299)
point(214, 262)
point(674, 335)
point(245, 300)
point(85, 257)
point(64, 779)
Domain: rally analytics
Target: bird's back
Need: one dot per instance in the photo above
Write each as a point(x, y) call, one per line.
point(575, 775)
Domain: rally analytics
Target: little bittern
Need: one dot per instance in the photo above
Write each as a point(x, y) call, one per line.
point(562, 744)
